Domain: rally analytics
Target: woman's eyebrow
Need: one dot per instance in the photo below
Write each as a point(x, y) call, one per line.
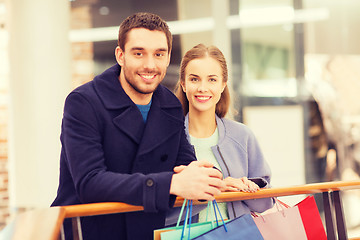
point(194, 75)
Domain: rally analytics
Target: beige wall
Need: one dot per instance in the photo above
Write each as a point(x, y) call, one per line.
point(280, 132)
point(340, 33)
point(40, 78)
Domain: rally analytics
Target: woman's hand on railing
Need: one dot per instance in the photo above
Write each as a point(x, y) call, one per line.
point(240, 184)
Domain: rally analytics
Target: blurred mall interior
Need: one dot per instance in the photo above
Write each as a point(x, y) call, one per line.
point(294, 76)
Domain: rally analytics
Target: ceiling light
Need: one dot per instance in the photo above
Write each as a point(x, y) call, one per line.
point(104, 11)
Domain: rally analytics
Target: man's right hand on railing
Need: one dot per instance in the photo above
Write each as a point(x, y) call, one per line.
point(198, 180)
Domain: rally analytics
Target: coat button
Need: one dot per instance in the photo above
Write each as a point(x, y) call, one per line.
point(149, 182)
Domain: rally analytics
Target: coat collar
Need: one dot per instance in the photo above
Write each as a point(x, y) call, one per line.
point(113, 96)
point(219, 123)
point(109, 90)
point(161, 123)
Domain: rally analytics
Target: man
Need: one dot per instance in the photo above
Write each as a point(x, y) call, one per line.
point(123, 139)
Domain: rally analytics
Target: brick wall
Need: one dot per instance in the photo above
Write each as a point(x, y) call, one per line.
point(4, 176)
point(82, 52)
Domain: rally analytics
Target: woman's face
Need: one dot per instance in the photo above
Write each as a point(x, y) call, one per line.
point(203, 84)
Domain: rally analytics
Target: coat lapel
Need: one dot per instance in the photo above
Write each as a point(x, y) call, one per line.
point(127, 117)
point(160, 125)
point(131, 123)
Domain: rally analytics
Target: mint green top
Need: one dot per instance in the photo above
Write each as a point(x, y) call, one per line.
point(203, 152)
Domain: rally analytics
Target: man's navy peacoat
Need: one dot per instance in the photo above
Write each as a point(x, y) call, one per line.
point(110, 155)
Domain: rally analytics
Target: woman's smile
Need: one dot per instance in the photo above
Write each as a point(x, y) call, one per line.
point(201, 98)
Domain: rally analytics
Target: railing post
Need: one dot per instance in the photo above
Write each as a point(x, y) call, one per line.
point(340, 221)
point(76, 226)
point(62, 233)
point(330, 231)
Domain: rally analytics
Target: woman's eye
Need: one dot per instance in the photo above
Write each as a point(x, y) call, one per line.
point(212, 80)
point(193, 79)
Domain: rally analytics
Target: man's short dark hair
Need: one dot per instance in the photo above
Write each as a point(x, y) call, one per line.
point(145, 20)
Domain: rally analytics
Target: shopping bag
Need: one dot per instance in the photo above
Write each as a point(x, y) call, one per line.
point(239, 228)
point(300, 222)
point(311, 219)
point(285, 223)
point(182, 231)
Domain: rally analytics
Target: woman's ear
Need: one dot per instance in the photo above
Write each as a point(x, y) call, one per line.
point(224, 86)
point(183, 86)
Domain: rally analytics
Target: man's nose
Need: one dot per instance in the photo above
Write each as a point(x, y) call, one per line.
point(149, 63)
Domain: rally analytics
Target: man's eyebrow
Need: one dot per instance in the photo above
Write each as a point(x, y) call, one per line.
point(136, 49)
point(141, 48)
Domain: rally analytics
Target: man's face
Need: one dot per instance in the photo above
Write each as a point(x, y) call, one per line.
point(143, 63)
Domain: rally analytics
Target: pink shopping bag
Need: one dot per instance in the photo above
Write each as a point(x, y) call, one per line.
point(301, 221)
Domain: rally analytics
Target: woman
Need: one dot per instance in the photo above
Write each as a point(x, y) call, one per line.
point(231, 146)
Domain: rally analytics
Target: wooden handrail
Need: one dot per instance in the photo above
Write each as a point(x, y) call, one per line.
point(117, 207)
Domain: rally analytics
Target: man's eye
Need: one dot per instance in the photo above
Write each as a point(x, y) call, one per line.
point(212, 80)
point(138, 54)
point(159, 54)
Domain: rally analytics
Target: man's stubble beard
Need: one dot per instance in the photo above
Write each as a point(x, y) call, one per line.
point(132, 83)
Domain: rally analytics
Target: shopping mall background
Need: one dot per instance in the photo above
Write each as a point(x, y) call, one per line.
point(294, 73)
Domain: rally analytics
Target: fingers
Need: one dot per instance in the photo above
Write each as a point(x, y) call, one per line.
point(197, 181)
point(179, 168)
point(240, 184)
point(251, 186)
point(202, 163)
point(209, 192)
point(214, 173)
point(207, 168)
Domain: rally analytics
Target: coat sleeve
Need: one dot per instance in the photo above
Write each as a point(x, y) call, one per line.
point(93, 182)
point(259, 172)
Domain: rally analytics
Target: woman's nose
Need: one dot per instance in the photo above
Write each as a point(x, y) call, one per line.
point(202, 86)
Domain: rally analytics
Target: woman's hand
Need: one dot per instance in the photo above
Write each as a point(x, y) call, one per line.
point(240, 184)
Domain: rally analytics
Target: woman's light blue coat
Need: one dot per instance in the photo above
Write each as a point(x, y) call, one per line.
point(239, 155)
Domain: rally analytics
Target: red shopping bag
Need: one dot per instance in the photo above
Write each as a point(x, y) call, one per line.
point(311, 219)
point(301, 222)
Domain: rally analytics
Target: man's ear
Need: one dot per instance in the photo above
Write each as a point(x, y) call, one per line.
point(169, 55)
point(119, 55)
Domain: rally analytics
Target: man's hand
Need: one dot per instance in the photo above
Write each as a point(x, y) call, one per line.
point(240, 184)
point(198, 180)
